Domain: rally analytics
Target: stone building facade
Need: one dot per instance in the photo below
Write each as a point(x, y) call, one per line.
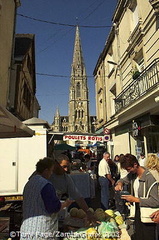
point(8, 10)
point(127, 79)
point(17, 65)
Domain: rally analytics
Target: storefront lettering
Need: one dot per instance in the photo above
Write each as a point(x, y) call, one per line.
point(83, 138)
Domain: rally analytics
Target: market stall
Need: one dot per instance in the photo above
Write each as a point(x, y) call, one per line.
point(110, 226)
point(11, 126)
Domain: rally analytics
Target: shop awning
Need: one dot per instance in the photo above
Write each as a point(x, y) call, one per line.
point(11, 127)
point(64, 146)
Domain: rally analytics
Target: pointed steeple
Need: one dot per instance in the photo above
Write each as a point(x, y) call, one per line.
point(78, 103)
point(78, 66)
point(57, 112)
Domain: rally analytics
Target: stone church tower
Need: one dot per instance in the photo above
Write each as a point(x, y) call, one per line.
point(78, 101)
point(78, 119)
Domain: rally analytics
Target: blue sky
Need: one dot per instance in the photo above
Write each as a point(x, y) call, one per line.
point(55, 42)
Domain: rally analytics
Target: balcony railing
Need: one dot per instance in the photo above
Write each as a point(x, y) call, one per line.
point(147, 80)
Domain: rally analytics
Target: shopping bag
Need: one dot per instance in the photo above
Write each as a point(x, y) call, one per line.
point(145, 213)
point(132, 210)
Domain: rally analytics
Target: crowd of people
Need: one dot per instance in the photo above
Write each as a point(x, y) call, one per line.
point(123, 182)
point(130, 178)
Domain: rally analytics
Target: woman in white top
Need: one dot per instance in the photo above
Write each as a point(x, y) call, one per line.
point(152, 163)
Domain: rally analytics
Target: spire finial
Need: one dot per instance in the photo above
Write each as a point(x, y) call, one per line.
point(76, 20)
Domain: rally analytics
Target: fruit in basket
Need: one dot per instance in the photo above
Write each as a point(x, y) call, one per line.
point(110, 238)
point(108, 230)
point(110, 212)
point(112, 220)
point(99, 210)
point(91, 234)
point(73, 212)
point(81, 213)
point(119, 220)
point(91, 210)
point(100, 214)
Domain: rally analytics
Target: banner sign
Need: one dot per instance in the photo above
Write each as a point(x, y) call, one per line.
point(84, 138)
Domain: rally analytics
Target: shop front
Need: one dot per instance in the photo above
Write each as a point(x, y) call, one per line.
point(146, 134)
point(140, 135)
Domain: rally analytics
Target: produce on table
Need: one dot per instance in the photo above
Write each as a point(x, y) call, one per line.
point(73, 212)
point(109, 228)
point(91, 234)
point(110, 212)
point(112, 220)
point(99, 210)
point(81, 213)
point(100, 214)
point(91, 210)
point(119, 220)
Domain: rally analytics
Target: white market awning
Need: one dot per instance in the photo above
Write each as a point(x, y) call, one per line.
point(11, 127)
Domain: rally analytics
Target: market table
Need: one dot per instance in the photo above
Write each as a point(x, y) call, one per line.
point(85, 183)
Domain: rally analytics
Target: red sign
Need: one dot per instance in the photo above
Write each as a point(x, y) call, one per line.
point(106, 131)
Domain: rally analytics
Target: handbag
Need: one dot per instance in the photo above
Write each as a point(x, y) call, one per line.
point(145, 212)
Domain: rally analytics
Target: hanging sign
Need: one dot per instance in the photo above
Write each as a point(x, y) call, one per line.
point(84, 138)
point(106, 131)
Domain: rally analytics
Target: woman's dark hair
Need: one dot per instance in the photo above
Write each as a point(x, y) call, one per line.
point(115, 157)
point(62, 157)
point(45, 163)
point(128, 160)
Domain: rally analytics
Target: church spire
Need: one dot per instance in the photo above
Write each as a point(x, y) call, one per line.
point(78, 103)
point(78, 63)
point(57, 112)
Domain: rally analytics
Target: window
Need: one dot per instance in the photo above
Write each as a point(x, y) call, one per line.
point(110, 61)
point(134, 14)
point(78, 90)
point(112, 97)
point(82, 113)
point(75, 114)
point(139, 61)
